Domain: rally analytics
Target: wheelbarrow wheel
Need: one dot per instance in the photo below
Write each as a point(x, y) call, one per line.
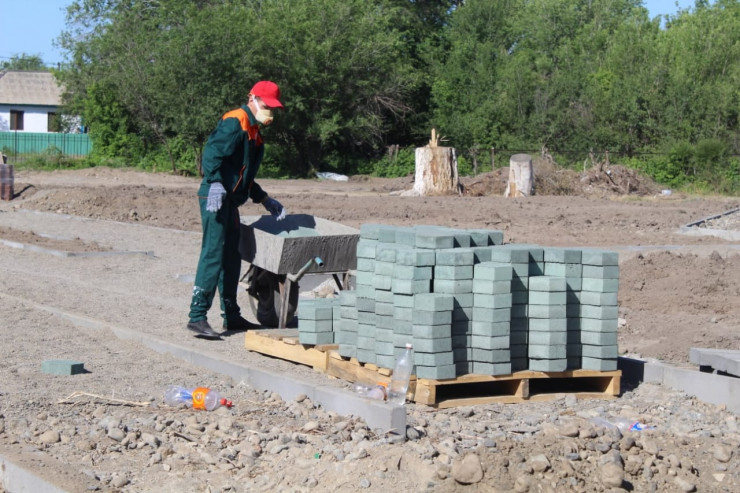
point(264, 296)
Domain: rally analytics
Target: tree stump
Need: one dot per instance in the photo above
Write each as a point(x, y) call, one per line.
point(521, 176)
point(436, 169)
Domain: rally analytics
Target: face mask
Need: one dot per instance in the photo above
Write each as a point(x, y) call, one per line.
point(264, 115)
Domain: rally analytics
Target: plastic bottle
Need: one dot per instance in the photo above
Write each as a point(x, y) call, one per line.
point(401, 376)
point(377, 391)
point(623, 424)
point(199, 398)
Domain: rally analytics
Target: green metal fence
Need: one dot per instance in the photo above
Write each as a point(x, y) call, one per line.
point(18, 144)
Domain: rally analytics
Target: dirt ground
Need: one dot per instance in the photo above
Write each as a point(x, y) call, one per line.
point(677, 291)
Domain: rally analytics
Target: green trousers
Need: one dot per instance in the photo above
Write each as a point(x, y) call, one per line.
point(219, 263)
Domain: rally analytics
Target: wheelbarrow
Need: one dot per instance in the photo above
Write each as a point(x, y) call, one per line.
point(280, 253)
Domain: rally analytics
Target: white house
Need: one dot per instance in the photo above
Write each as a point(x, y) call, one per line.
point(29, 102)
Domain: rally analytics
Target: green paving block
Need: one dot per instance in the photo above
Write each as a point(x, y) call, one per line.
point(315, 325)
point(347, 298)
point(311, 310)
point(403, 300)
point(491, 314)
point(538, 364)
point(597, 338)
point(412, 272)
point(546, 298)
point(346, 325)
point(365, 291)
point(387, 234)
point(546, 351)
point(496, 237)
point(386, 252)
point(597, 299)
point(537, 268)
point(599, 312)
point(433, 345)
point(382, 282)
point(384, 308)
point(405, 314)
point(547, 338)
point(366, 343)
point(365, 265)
point(598, 364)
point(453, 287)
point(485, 342)
point(546, 311)
point(347, 351)
point(384, 335)
point(512, 254)
point(431, 331)
point(366, 318)
point(518, 351)
point(462, 314)
point(365, 304)
point(407, 286)
point(370, 231)
point(547, 284)
point(481, 254)
point(574, 283)
point(479, 237)
point(520, 310)
point(434, 240)
point(519, 337)
point(62, 367)
point(434, 359)
point(484, 286)
point(597, 325)
point(536, 252)
point(366, 248)
point(384, 348)
point(439, 317)
point(383, 296)
point(406, 236)
point(463, 300)
point(492, 300)
point(315, 337)
point(493, 271)
point(437, 372)
point(400, 340)
point(345, 338)
point(602, 352)
point(462, 238)
point(563, 255)
point(490, 329)
point(548, 324)
point(591, 256)
point(385, 268)
point(453, 272)
point(563, 270)
point(385, 321)
point(385, 360)
point(366, 330)
point(404, 327)
point(365, 278)
point(483, 368)
point(365, 355)
point(416, 257)
point(601, 271)
point(454, 256)
point(434, 302)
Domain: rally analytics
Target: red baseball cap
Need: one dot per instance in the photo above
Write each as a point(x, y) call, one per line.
point(268, 92)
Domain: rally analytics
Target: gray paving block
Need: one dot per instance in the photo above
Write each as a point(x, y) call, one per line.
point(385, 322)
point(365, 304)
point(382, 282)
point(546, 351)
point(406, 236)
point(520, 297)
point(574, 283)
point(573, 310)
point(384, 335)
point(364, 342)
point(591, 256)
point(490, 329)
point(574, 362)
point(365, 320)
point(384, 309)
point(485, 286)
point(365, 355)
point(491, 314)
point(536, 252)
point(563, 255)
point(547, 284)
point(347, 298)
point(563, 270)
point(598, 364)
point(493, 271)
point(720, 360)
point(547, 338)
point(492, 300)
point(384, 348)
point(406, 286)
point(602, 352)
point(365, 265)
point(547, 311)
point(404, 327)
point(366, 248)
point(365, 278)
point(548, 324)
point(405, 314)
point(462, 238)
point(403, 300)
point(386, 252)
point(315, 337)
point(439, 317)
point(463, 300)
point(416, 257)
point(348, 312)
point(452, 287)
point(306, 326)
point(486, 342)
point(463, 314)
point(400, 340)
point(384, 268)
point(601, 271)
point(519, 283)
point(62, 367)
point(370, 231)
point(346, 325)
point(440, 372)
point(510, 254)
point(596, 325)
point(483, 368)
point(434, 239)
point(434, 302)
point(434, 359)
point(433, 345)
point(431, 331)
point(454, 257)
point(385, 360)
point(365, 291)
point(536, 268)
point(347, 350)
point(546, 298)
point(485, 237)
point(519, 324)
point(461, 327)
point(460, 342)
point(597, 338)
point(548, 364)
point(316, 309)
point(453, 272)
point(574, 350)
point(481, 254)
point(345, 337)
point(412, 272)
point(387, 233)
point(599, 312)
point(597, 299)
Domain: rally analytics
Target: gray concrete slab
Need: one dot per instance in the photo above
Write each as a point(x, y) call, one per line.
point(17, 479)
point(722, 360)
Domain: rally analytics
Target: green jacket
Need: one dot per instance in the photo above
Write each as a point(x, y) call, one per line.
point(233, 155)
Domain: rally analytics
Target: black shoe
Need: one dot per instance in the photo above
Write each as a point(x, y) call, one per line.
point(203, 329)
point(239, 323)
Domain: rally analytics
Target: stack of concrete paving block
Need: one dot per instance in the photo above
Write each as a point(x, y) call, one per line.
point(347, 326)
point(491, 328)
point(316, 321)
point(432, 336)
point(598, 310)
point(566, 263)
point(548, 328)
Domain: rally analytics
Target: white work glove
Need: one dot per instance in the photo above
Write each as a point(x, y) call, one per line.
point(215, 197)
point(275, 208)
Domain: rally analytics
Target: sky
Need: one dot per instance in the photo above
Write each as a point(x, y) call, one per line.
point(31, 26)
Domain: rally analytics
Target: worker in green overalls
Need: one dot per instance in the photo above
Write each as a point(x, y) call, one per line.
point(231, 159)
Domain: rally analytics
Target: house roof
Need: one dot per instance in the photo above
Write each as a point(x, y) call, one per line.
point(29, 88)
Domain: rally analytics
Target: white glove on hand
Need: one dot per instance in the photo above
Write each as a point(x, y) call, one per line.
point(275, 208)
point(215, 197)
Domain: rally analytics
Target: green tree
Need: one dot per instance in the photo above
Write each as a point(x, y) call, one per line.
point(24, 61)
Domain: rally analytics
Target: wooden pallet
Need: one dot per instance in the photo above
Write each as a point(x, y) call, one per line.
point(284, 344)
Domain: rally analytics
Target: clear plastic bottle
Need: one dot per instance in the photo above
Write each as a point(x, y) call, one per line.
point(377, 391)
point(199, 398)
point(401, 377)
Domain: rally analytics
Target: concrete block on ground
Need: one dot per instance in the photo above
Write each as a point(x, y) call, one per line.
point(563, 270)
point(597, 299)
point(434, 240)
point(519, 324)
point(594, 338)
point(546, 351)
point(536, 268)
point(513, 254)
point(347, 338)
point(366, 248)
point(483, 368)
point(385, 268)
point(598, 364)
point(365, 265)
point(365, 291)
point(347, 350)
point(481, 254)
point(596, 325)
point(548, 364)
point(62, 367)
point(453, 287)
point(601, 271)
point(403, 300)
point(370, 231)
point(365, 355)
point(439, 317)
point(519, 337)
point(520, 310)
point(384, 308)
point(384, 348)
point(308, 326)
point(348, 312)
point(518, 351)
point(486, 237)
point(406, 236)
point(404, 327)
point(385, 360)
point(491, 355)
point(463, 300)
point(437, 372)
point(574, 283)
point(385, 322)
point(462, 314)
point(384, 335)
point(365, 342)
point(590, 256)
point(382, 282)
point(405, 314)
